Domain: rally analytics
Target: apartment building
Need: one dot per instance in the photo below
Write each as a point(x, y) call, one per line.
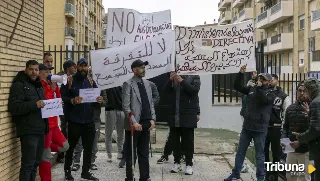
point(104, 30)
point(288, 29)
point(75, 23)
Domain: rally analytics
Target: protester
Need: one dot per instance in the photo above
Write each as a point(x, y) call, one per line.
point(280, 104)
point(47, 59)
point(256, 119)
point(312, 135)
point(138, 106)
point(25, 102)
point(97, 121)
point(297, 119)
point(69, 68)
point(156, 99)
point(114, 118)
point(183, 116)
point(81, 123)
point(54, 141)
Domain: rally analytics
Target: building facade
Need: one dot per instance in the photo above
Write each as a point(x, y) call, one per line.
point(75, 23)
point(17, 45)
point(288, 29)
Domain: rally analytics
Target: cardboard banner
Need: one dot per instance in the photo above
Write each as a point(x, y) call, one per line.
point(215, 49)
point(111, 67)
point(127, 26)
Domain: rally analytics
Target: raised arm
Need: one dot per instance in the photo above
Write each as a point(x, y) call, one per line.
point(16, 105)
point(238, 84)
point(314, 128)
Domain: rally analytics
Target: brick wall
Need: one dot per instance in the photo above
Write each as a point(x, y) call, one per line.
point(27, 43)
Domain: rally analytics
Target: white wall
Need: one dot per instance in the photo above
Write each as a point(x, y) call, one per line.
point(224, 117)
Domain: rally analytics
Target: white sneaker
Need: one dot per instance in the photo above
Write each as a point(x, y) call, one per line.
point(189, 170)
point(176, 168)
point(119, 156)
point(109, 157)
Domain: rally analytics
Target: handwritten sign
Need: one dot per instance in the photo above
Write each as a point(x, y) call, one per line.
point(89, 95)
point(111, 67)
point(215, 49)
point(53, 107)
point(127, 26)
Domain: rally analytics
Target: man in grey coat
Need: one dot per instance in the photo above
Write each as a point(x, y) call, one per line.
point(138, 106)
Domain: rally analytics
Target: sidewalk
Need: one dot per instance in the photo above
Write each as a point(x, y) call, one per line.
point(214, 158)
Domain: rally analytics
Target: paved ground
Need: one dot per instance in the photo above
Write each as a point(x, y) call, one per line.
point(206, 168)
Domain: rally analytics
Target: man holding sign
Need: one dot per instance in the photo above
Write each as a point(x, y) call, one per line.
point(25, 103)
point(81, 123)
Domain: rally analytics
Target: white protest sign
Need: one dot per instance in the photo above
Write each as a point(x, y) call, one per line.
point(111, 67)
point(127, 26)
point(89, 95)
point(53, 107)
point(215, 49)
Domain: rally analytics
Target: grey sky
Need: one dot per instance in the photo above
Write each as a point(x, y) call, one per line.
point(183, 12)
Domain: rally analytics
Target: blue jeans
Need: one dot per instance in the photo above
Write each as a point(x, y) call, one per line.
point(244, 141)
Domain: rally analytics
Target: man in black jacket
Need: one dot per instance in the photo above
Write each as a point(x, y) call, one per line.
point(297, 120)
point(256, 120)
point(81, 123)
point(25, 103)
point(183, 116)
point(312, 135)
point(280, 104)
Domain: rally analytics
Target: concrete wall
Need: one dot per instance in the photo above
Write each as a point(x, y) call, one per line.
point(27, 43)
point(224, 117)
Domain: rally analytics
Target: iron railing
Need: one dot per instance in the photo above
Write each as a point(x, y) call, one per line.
point(241, 13)
point(276, 39)
point(69, 31)
point(262, 16)
point(69, 8)
point(276, 8)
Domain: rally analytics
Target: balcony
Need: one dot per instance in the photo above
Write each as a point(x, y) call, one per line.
point(69, 32)
point(223, 4)
point(275, 14)
point(225, 17)
point(315, 20)
point(281, 42)
point(245, 14)
point(237, 3)
point(69, 10)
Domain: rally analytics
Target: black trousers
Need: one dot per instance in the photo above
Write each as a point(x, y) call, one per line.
point(141, 141)
point(87, 133)
point(273, 138)
point(63, 127)
point(168, 147)
point(317, 171)
point(32, 147)
point(187, 138)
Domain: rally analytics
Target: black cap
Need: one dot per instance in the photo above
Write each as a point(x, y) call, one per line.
point(138, 63)
point(266, 76)
point(82, 60)
point(68, 64)
point(45, 67)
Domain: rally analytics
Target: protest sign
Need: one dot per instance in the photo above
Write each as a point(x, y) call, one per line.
point(89, 95)
point(111, 67)
point(215, 49)
point(127, 26)
point(53, 107)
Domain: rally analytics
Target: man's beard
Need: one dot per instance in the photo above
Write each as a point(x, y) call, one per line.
point(82, 73)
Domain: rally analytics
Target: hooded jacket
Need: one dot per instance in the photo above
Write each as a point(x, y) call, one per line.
point(280, 104)
point(24, 93)
point(312, 135)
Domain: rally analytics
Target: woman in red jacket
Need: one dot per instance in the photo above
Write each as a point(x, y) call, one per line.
point(54, 140)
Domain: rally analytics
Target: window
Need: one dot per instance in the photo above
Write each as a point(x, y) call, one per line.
point(290, 27)
point(281, 60)
point(86, 12)
point(312, 44)
point(105, 31)
point(290, 58)
point(301, 58)
point(301, 22)
point(261, 35)
point(281, 29)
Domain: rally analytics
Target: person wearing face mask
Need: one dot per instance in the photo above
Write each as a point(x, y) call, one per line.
point(54, 140)
point(69, 68)
point(81, 120)
point(256, 119)
point(138, 106)
point(25, 102)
